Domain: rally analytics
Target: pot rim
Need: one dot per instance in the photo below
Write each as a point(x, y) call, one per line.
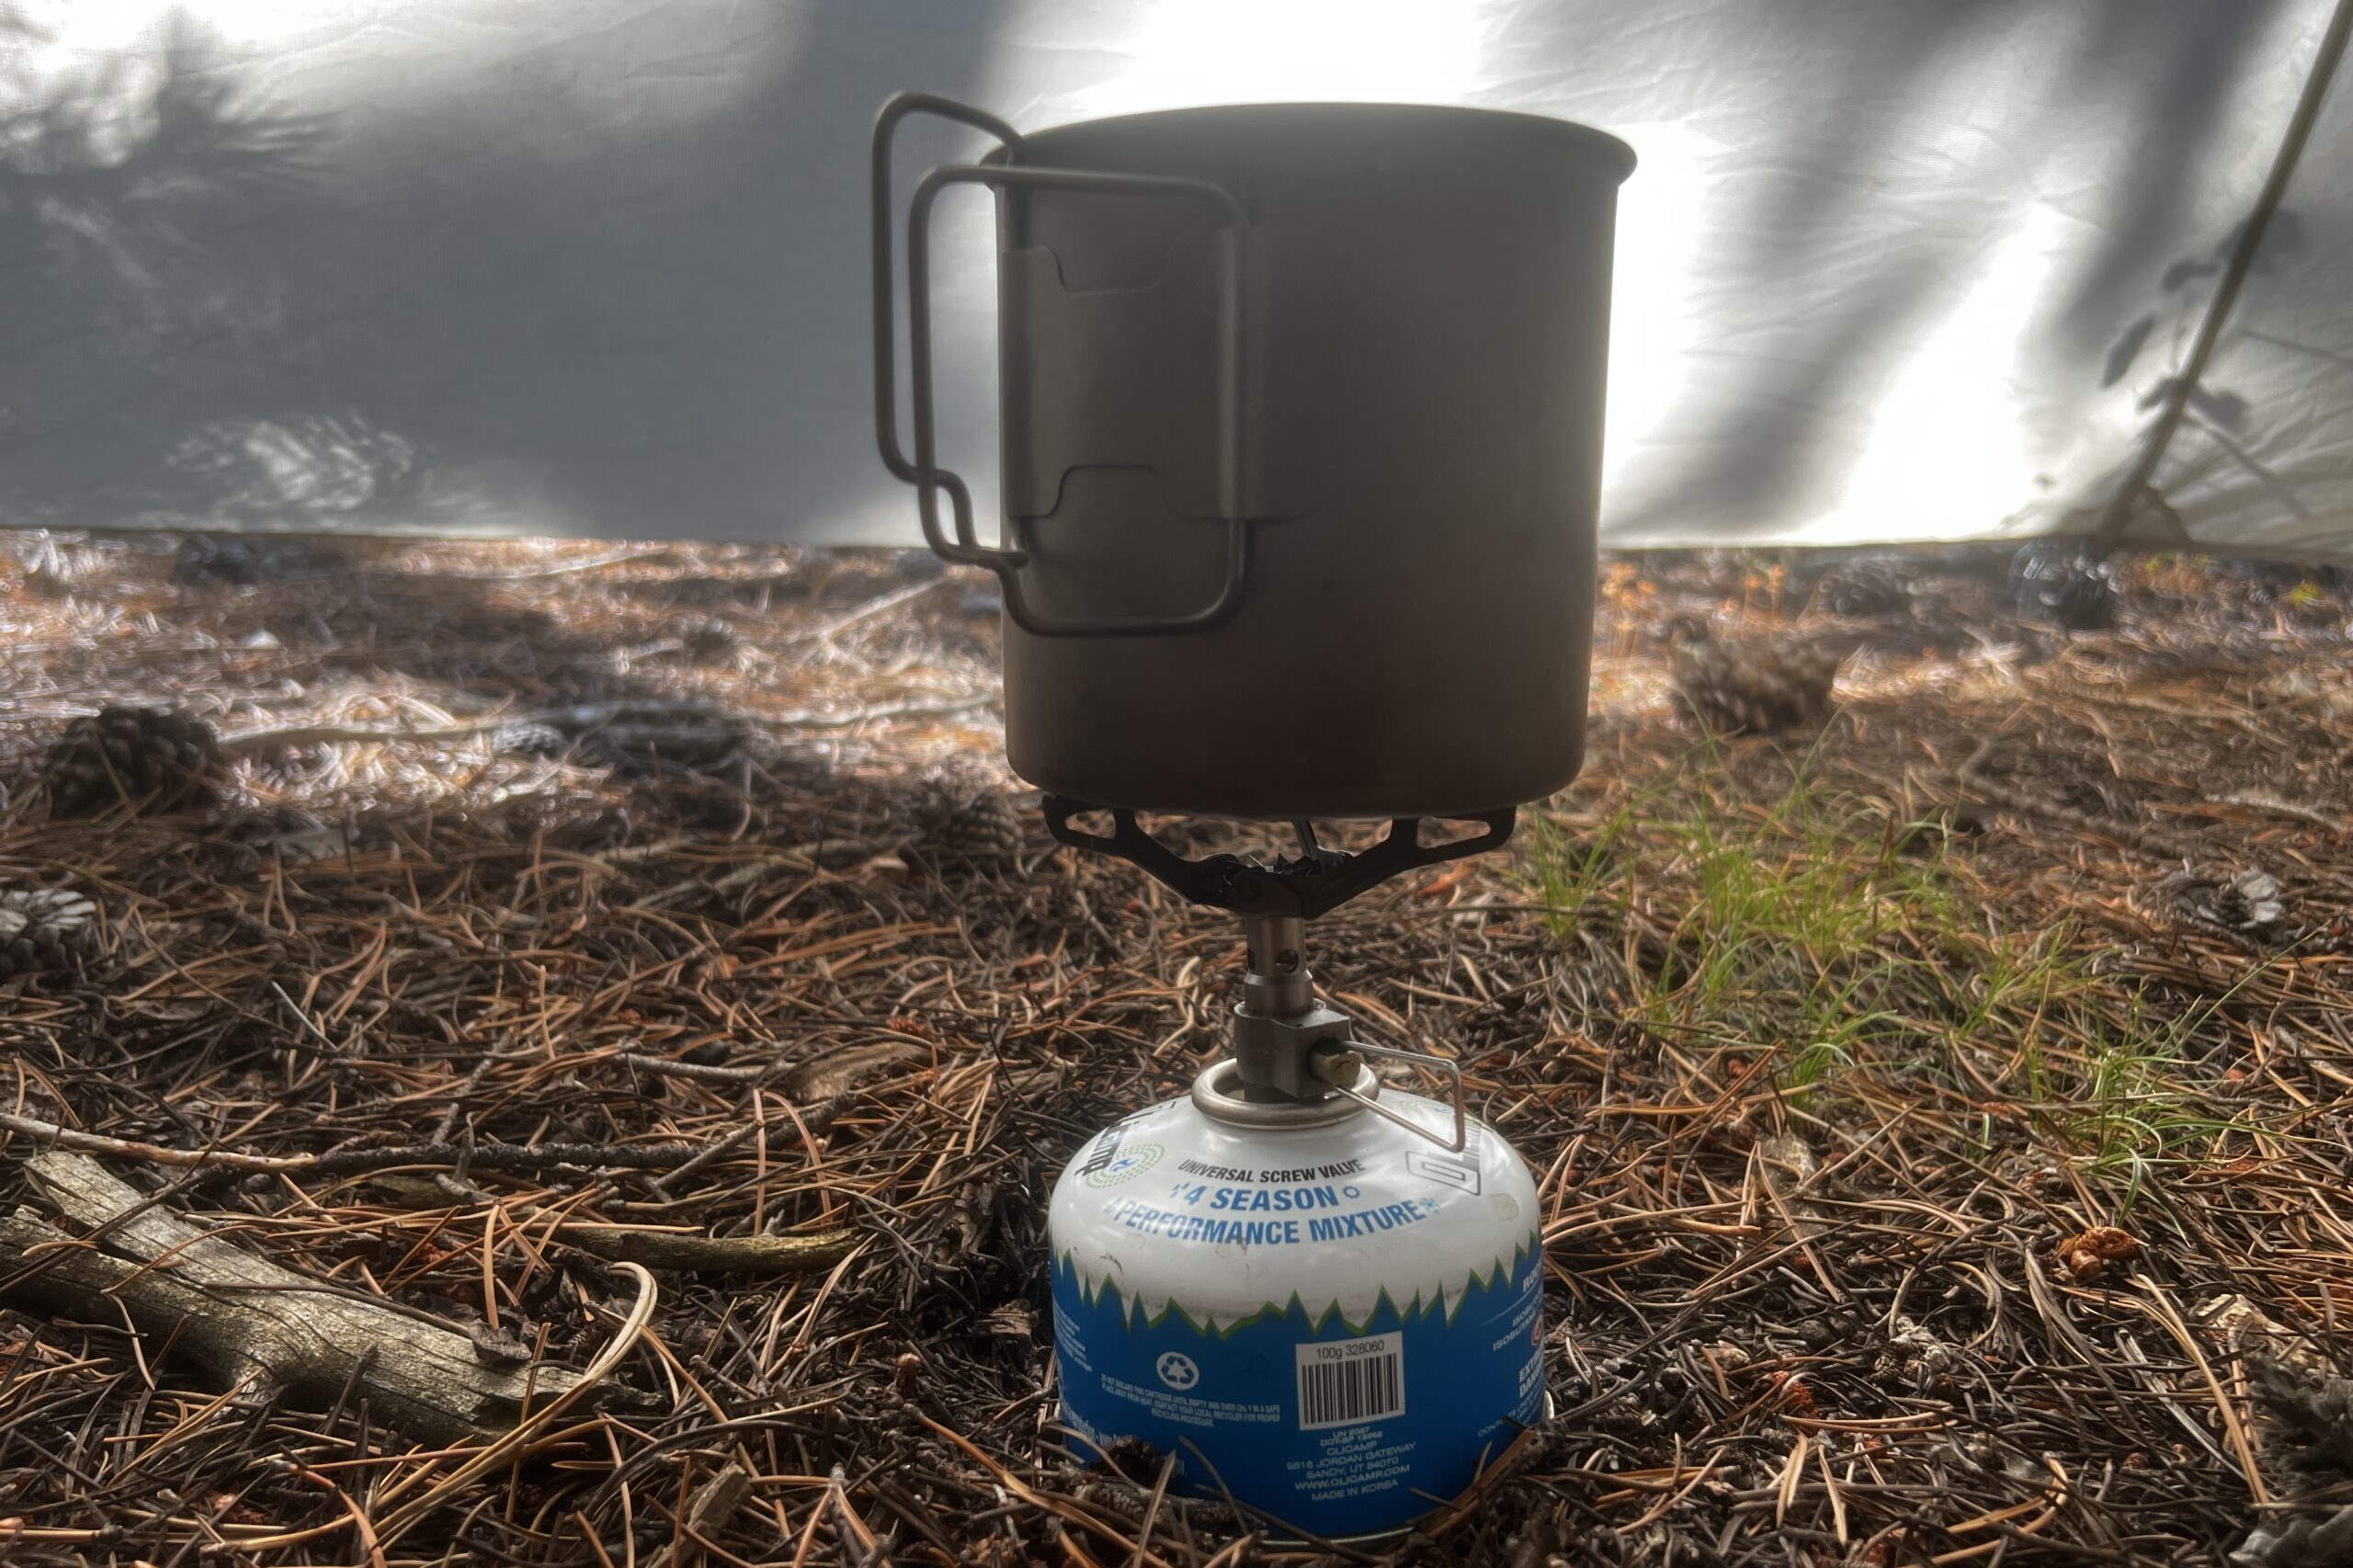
point(1617, 152)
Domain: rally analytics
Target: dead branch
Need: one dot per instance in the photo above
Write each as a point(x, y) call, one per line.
point(523, 1158)
point(871, 607)
point(153, 1153)
point(243, 1320)
point(581, 717)
point(514, 1158)
point(693, 1252)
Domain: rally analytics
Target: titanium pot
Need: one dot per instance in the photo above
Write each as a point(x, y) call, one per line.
point(1302, 412)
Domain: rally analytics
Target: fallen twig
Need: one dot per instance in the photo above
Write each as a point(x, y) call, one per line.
point(583, 717)
point(527, 1158)
point(874, 607)
point(693, 1252)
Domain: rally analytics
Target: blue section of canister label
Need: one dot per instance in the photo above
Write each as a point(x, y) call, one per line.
point(1330, 1427)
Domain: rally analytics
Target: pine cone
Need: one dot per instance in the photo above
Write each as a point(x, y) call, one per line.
point(2308, 1416)
point(205, 560)
point(290, 835)
point(966, 825)
point(644, 739)
point(2060, 582)
point(1860, 589)
point(43, 929)
point(2244, 906)
point(151, 758)
point(530, 739)
point(1758, 689)
point(2310, 1539)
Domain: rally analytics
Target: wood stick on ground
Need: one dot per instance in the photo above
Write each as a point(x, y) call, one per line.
point(691, 1251)
point(242, 1319)
point(153, 1153)
point(874, 607)
point(714, 1501)
point(587, 716)
point(486, 1156)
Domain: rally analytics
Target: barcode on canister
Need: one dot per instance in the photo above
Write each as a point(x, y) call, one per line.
point(1342, 1381)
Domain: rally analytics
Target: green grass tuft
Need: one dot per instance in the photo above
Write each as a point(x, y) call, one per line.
point(1847, 943)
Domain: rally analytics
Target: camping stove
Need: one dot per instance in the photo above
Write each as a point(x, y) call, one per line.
point(1301, 437)
point(1313, 1293)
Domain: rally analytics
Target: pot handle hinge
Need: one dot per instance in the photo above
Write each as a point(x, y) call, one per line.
point(924, 473)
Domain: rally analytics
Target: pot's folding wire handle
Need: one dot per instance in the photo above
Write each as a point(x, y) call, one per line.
point(886, 391)
point(923, 471)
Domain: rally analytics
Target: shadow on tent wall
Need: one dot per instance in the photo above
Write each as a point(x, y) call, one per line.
point(1763, 437)
point(480, 316)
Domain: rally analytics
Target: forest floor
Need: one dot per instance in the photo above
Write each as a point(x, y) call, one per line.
point(1943, 1113)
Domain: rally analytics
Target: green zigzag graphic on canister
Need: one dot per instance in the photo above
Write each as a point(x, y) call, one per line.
point(1502, 1270)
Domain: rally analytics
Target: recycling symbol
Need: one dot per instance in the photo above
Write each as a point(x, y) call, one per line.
point(1178, 1370)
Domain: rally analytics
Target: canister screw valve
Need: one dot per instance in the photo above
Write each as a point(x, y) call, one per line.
point(1337, 1065)
point(1295, 1058)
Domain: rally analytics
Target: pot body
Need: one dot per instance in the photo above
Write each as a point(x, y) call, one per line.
point(1342, 1325)
point(1393, 369)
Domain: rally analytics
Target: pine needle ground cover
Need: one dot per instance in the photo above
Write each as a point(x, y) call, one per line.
point(635, 960)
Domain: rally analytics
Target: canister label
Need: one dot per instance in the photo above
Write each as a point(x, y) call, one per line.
point(1335, 1326)
point(1334, 1429)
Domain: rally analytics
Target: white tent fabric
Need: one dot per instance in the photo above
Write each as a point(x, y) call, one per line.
point(1890, 269)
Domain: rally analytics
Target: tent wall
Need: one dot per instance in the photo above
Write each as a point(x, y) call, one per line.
point(1891, 270)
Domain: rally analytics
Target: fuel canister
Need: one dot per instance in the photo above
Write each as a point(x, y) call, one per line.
point(1337, 1325)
